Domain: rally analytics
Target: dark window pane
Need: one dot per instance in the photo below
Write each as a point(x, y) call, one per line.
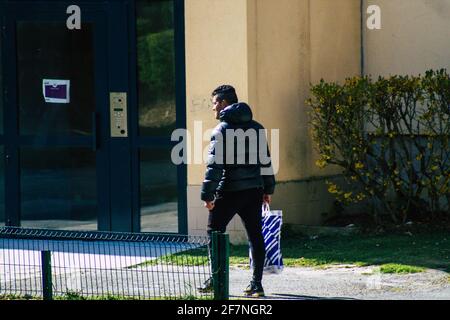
point(156, 67)
point(2, 187)
point(48, 50)
point(58, 188)
point(159, 200)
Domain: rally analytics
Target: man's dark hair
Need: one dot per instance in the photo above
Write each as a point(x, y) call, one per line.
point(226, 92)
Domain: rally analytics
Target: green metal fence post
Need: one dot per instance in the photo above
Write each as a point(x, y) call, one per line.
point(214, 264)
point(224, 262)
point(46, 275)
point(220, 251)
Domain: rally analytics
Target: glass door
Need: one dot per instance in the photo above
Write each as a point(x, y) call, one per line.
point(88, 113)
point(57, 107)
point(160, 110)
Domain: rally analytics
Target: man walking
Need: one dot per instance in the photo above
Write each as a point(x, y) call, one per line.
point(234, 181)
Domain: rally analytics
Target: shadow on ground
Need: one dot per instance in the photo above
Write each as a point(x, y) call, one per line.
point(284, 296)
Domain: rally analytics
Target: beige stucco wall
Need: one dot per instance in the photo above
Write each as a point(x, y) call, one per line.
point(414, 37)
point(270, 50)
point(216, 53)
point(280, 74)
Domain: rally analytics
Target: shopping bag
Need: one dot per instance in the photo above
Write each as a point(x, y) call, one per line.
point(271, 229)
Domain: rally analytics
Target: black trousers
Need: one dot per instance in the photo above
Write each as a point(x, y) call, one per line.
point(247, 204)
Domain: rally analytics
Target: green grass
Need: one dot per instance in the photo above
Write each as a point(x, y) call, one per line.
point(394, 253)
point(18, 297)
point(194, 257)
point(77, 296)
point(399, 268)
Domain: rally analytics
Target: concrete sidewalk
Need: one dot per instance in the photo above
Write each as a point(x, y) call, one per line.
point(345, 282)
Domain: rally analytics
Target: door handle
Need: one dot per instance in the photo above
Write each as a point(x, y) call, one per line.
point(95, 145)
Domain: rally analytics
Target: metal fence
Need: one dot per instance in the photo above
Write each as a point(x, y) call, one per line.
point(99, 265)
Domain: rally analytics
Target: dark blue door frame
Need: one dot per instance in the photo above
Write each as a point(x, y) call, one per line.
point(118, 165)
point(53, 12)
point(120, 156)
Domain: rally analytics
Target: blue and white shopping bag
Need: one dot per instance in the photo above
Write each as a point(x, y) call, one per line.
point(271, 229)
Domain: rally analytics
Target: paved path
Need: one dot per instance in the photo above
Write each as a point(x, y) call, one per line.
point(346, 283)
point(105, 268)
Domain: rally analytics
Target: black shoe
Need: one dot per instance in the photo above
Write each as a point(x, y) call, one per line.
point(254, 289)
point(207, 286)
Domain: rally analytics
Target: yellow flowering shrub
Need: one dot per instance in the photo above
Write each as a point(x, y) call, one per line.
point(391, 138)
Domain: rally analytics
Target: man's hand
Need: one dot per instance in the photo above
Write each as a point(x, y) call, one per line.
point(267, 198)
point(209, 205)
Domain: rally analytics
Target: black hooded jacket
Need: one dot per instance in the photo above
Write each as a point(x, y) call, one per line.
point(235, 164)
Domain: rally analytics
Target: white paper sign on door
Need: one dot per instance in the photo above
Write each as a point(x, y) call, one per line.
point(56, 91)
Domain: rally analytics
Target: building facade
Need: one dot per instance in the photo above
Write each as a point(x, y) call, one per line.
point(92, 93)
point(89, 102)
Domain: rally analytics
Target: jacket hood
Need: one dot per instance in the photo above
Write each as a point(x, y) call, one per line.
point(236, 113)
